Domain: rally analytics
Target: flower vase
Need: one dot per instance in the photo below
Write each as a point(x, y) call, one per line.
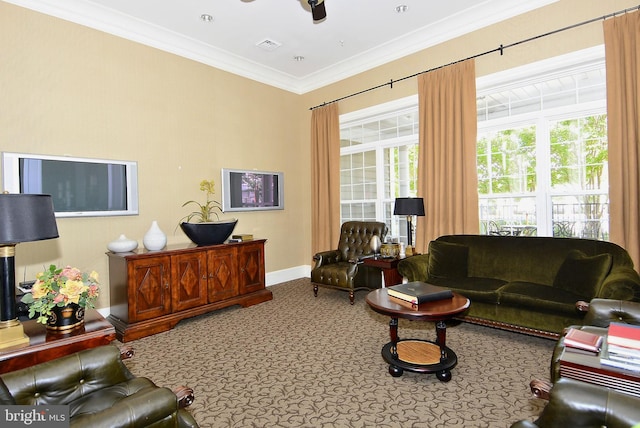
point(154, 239)
point(66, 317)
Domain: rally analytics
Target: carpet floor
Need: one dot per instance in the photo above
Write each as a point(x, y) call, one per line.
point(300, 361)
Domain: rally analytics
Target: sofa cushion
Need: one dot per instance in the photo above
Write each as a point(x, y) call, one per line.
point(447, 260)
point(476, 289)
point(582, 274)
point(529, 296)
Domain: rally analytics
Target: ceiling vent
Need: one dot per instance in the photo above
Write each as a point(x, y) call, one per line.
point(268, 45)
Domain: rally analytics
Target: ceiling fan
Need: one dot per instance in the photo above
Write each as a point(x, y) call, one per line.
point(318, 10)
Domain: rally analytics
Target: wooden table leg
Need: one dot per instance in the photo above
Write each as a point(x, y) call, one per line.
point(441, 338)
point(393, 334)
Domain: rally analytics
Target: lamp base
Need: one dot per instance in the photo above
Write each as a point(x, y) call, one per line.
point(12, 334)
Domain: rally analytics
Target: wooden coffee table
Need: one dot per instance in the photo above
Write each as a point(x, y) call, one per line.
point(417, 355)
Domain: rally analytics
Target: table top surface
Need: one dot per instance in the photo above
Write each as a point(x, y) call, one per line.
point(438, 310)
point(39, 336)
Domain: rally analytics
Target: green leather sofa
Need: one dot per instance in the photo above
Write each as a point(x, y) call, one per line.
point(99, 390)
point(577, 404)
point(527, 284)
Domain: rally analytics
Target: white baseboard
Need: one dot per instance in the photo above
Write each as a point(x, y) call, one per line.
point(289, 274)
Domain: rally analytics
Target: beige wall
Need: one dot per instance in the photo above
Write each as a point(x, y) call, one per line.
point(67, 89)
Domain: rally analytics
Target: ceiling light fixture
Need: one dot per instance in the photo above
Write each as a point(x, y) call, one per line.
point(298, 58)
point(402, 8)
point(318, 10)
point(206, 17)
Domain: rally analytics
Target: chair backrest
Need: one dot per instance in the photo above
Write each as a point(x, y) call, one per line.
point(355, 237)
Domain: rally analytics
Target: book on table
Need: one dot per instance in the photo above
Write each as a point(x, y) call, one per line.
point(419, 292)
point(583, 340)
point(626, 335)
point(612, 358)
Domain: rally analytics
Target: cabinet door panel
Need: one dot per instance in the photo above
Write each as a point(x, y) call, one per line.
point(149, 279)
point(251, 268)
point(223, 279)
point(188, 281)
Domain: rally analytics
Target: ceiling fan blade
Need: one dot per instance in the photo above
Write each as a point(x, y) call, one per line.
point(318, 11)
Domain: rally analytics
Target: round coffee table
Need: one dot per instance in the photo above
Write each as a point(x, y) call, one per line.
point(417, 355)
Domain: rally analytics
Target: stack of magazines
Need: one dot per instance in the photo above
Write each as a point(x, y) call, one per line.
point(623, 347)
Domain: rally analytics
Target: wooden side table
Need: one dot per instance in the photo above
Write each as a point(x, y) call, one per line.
point(46, 345)
point(389, 268)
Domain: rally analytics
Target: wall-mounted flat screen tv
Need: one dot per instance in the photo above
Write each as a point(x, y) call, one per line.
point(78, 186)
point(247, 190)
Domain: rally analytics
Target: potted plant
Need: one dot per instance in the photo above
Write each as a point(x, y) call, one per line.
point(61, 295)
point(205, 230)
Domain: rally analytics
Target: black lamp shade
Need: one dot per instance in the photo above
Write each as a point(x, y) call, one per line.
point(25, 218)
point(409, 206)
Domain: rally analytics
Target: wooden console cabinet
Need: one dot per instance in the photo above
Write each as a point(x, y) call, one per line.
point(151, 291)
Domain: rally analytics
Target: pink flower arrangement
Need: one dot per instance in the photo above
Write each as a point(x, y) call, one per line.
point(60, 287)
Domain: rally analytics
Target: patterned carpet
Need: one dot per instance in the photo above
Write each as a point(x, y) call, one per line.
point(300, 361)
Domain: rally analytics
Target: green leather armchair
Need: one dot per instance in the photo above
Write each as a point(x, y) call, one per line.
point(99, 390)
point(577, 404)
point(342, 269)
point(600, 312)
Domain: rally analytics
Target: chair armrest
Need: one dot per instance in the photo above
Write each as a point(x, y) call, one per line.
point(603, 311)
point(326, 257)
point(414, 268)
point(67, 378)
point(574, 403)
point(143, 408)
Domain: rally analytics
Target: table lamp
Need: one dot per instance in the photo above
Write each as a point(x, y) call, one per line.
point(23, 218)
point(409, 207)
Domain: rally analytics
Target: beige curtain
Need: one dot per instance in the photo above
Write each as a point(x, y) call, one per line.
point(622, 42)
point(447, 177)
point(325, 178)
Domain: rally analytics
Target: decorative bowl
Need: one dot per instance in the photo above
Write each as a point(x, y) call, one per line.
point(210, 233)
point(122, 245)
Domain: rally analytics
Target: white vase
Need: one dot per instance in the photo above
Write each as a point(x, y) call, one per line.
point(154, 239)
point(122, 245)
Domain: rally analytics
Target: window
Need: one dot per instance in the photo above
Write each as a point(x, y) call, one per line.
point(378, 162)
point(542, 153)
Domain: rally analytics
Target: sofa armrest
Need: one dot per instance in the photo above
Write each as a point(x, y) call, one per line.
point(144, 408)
point(603, 311)
point(326, 257)
point(622, 283)
point(414, 268)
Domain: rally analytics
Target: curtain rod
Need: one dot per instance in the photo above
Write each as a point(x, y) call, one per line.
point(500, 49)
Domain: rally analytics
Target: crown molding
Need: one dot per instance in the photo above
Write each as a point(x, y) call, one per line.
point(112, 22)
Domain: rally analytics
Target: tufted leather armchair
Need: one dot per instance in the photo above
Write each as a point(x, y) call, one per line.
point(99, 390)
point(342, 268)
point(578, 404)
point(600, 312)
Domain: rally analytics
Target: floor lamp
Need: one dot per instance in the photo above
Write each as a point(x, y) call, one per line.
point(409, 207)
point(23, 218)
